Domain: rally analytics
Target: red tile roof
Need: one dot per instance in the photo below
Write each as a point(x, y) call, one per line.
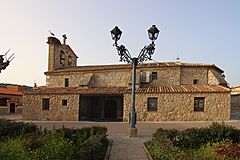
point(123, 90)
point(8, 91)
point(78, 90)
point(235, 87)
point(128, 66)
point(182, 89)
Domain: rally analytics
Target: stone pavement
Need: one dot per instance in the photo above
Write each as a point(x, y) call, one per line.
point(125, 148)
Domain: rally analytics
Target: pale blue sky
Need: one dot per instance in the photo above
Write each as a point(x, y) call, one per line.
point(201, 31)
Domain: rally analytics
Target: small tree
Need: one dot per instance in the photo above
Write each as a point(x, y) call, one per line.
point(5, 63)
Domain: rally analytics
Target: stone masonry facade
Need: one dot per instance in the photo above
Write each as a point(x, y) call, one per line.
point(179, 107)
point(175, 85)
point(56, 112)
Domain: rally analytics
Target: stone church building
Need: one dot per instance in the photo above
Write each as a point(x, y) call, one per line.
point(165, 91)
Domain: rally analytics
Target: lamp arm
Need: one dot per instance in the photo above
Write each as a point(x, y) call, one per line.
point(123, 52)
point(146, 53)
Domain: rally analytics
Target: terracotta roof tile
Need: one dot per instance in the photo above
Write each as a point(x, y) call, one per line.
point(181, 89)
point(235, 87)
point(128, 66)
point(8, 91)
point(78, 90)
point(123, 90)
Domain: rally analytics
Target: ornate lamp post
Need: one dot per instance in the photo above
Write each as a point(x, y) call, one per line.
point(144, 55)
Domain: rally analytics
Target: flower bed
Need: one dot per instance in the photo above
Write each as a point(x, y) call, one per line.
point(217, 141)
point(22, 141)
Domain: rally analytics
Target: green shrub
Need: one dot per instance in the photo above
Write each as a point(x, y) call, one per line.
point(92, 149)
point(26, 141)
point(79, 136)
point(191, 138)
point(54, 147)
point(13, 129)
point(206, 151)
point(13, 149)
point(218, 132)
point(90, 142)
point(195, 138)
point(162, 148)
point(33, 141)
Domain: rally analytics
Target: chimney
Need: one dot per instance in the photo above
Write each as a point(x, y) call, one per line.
point(35, 84)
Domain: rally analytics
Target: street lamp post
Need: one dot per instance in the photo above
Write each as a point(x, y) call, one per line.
point(144, 55)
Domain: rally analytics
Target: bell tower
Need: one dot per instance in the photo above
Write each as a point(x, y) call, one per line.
point(60, 55)
point(54, 45)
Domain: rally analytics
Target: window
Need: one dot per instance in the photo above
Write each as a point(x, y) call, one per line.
point(199, 104)
point(66, 83)
point(64, 102)
point(152, 104)
point(45, 104)
point(69, 60)
point(195, 81)
point(3, 101)
point(154, 76)
point(62, 58)
point(143, 77)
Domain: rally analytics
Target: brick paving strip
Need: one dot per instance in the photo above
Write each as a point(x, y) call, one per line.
point(124, 148)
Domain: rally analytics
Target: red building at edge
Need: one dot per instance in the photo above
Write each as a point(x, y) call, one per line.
point(11, 99)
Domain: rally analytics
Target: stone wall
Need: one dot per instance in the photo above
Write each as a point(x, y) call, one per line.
point(114, 78)
point(215, 78)
point(212, 79)
point(122, 78)
point(180, 107)
point(67, 51)
point(171, 107)
point(165, 76)
point(51, 57)
point(188, 74)
point(32, 108)
point(4, 110)
point(94, 79)
point(111, 79)
point(75, 80)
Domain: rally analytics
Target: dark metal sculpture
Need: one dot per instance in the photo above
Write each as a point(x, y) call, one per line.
point(6, 62)
point(144, 55)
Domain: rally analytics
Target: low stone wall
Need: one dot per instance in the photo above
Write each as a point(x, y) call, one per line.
point(32, 108)
point(180, 107)
point(3, 110)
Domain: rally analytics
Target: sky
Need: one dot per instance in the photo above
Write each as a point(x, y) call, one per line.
point(197, 31)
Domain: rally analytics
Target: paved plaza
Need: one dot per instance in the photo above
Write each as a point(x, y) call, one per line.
point(123, 147)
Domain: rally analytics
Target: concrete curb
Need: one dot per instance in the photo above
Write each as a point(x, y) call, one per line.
point(139, 122)
point(147, 152)
point(107, 154)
